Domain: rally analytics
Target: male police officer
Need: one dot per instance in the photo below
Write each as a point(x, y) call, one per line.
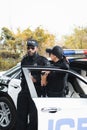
point(25, 104)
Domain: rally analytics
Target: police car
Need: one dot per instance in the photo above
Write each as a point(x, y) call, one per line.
point(60, 114)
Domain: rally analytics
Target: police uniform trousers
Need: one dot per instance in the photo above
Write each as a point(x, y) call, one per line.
point(26, 109)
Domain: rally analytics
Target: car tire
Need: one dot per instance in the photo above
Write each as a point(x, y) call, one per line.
point(7, 114)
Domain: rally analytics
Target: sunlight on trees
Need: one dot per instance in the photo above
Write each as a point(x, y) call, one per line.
point(77, 40)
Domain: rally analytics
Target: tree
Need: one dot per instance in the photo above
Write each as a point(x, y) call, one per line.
point(44, 38)
point(7, 36)
point(17, 41)
point(77, 40)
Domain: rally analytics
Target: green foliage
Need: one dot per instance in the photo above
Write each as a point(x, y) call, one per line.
point(44, 38)
point(14, 44)
point(17, 42)
point(7, 34)
point(7, 63)
point(8, 59)
point(9, 54)
point(77, 40)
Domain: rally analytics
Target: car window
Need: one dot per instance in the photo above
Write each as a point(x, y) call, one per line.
point(74, 83)
point(18, 75)
point(12, 71)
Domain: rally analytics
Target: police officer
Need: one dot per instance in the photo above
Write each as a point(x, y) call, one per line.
point(56, 81)
point(25, 105)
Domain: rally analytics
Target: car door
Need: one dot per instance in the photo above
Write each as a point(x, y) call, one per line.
point(59, 113)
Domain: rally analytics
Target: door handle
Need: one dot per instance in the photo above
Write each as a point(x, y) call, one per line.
point(50, 109)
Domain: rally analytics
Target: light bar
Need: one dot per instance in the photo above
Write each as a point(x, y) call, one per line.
point(75, 52)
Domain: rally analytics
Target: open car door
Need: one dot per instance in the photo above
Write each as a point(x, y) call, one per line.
point(59, 113)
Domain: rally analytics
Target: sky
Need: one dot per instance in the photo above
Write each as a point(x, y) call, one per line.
point(59, 17)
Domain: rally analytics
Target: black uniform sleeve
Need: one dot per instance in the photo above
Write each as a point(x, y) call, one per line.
point(43, 61)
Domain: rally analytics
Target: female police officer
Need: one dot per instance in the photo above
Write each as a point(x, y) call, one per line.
point(55, 81)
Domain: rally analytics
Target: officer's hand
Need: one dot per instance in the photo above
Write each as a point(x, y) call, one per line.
point(33, 79)
point(44, 75)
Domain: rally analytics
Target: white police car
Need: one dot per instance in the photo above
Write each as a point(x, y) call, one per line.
point(7, 107)
point(60, 114)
